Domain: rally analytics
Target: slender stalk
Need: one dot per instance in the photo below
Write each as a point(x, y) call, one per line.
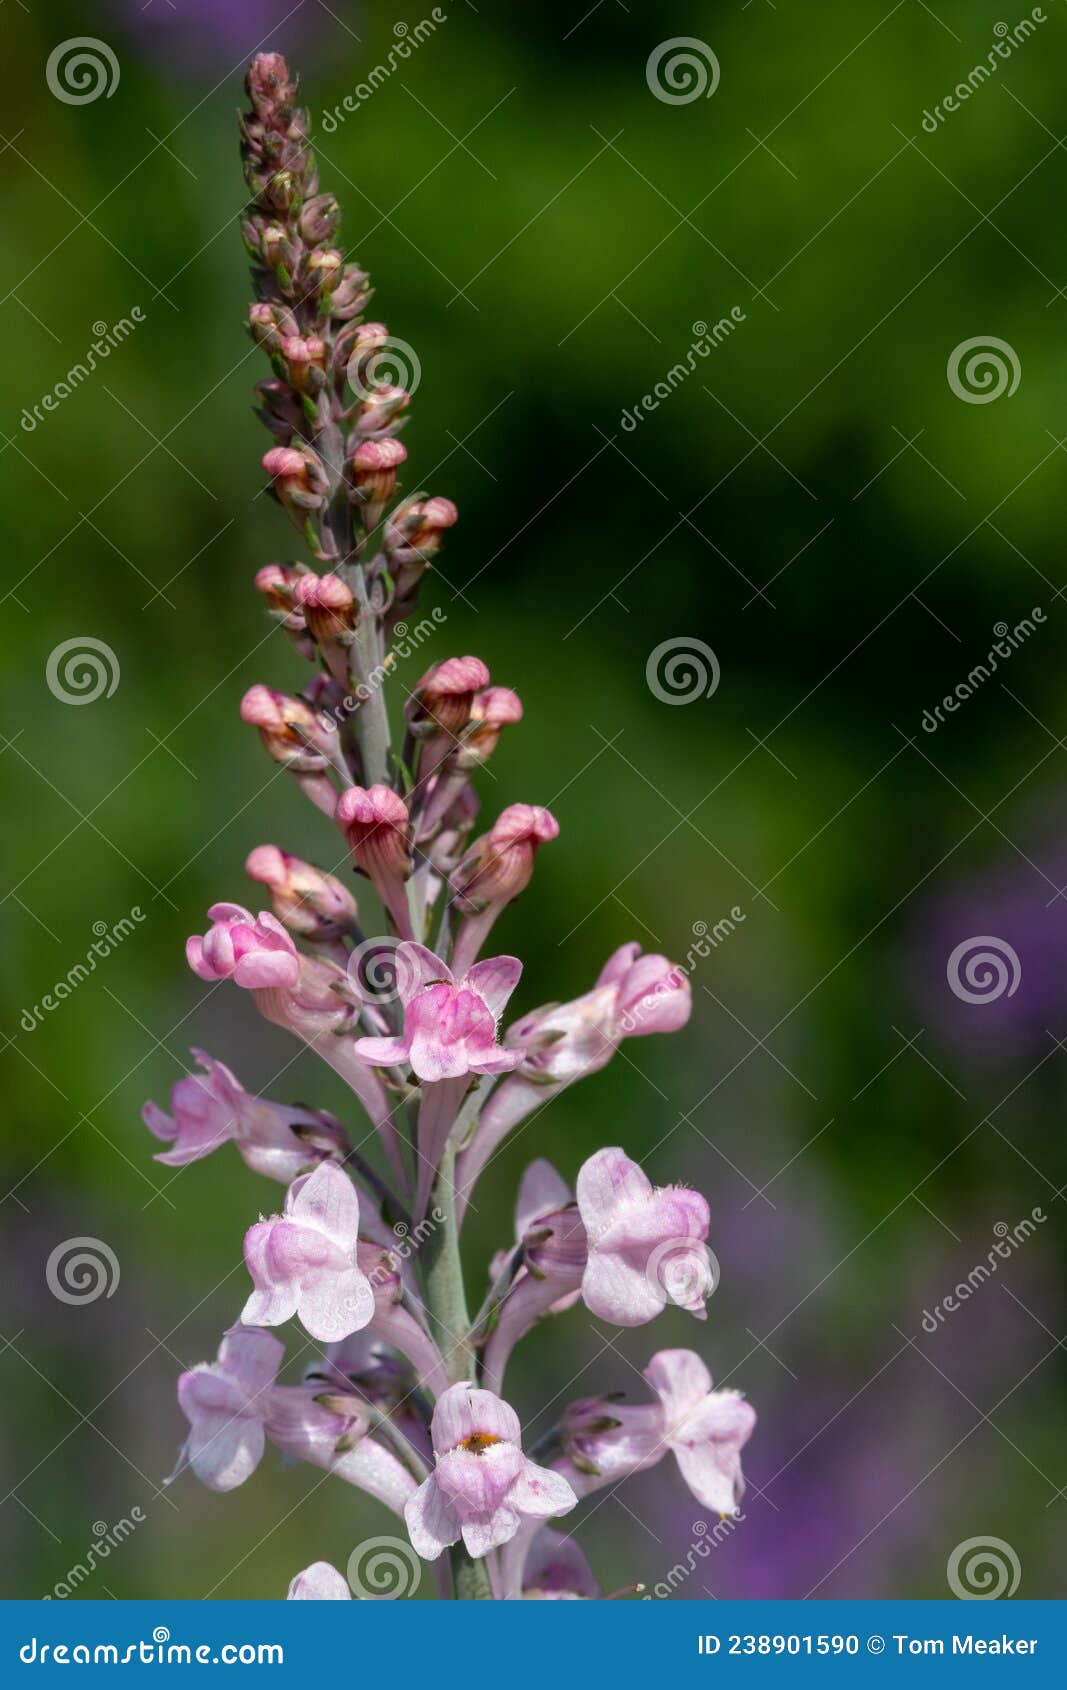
point(446, 1304)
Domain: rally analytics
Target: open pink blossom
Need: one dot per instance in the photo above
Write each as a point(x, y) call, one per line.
point(564, 1042)
point(482, 1487)
point(706, 1430)
point(646, 1245)
point(303, 1262)
point(225, 1402)
point(319, 1583)
point(251, 950)
point(210, 1108)
point(449, 1024)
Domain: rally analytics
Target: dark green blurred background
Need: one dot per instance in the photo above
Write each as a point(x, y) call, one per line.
point(815, 503)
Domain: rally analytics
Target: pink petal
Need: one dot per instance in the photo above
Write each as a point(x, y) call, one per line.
point(488, 1531)
point(494, 980)
point(416, 967)
point(252, 1358)
point(618, 963)
point(607, 1185)
point(615, 1290)
point(541, 1492)
point(679, 1379)
point(334, 1305)
point(541, 1190)
point(259, 970)
point(319, 1583)
point(223, 1450)
point(382, 1053)
point(463, 1410)
point(431, 1522)
point(327, 1200)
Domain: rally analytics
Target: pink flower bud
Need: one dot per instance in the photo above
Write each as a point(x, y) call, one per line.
point(329, 606)
point(443, 698)
point(305, 899)
point(413, 532)
point(374, 465)
point(375, 822)
point(380, 406)
point(271, 90)
point(301, 356)
point(293, 733)
point(299, 477)
point(501, 863)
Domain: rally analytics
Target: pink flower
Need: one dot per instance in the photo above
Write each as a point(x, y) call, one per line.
point(225, 1403)
point(482, 1486)
point(252, 950)
point(564, 1042)
point(319, 1583)
point(705, 1429)
point(449, 1024)
point(646, 1246)
point(210, 1108)
point(303, 1261)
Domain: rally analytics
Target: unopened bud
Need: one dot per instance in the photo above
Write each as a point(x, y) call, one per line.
point(443, 698)
point(306, 900)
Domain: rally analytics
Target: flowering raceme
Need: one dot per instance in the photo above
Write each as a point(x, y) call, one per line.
point(402, 1393)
